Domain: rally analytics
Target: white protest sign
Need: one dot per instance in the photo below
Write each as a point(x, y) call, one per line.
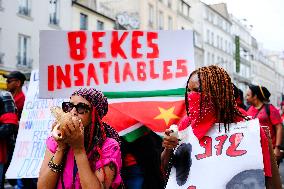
point(114, 61)
point(34, 128)
point(222, 160)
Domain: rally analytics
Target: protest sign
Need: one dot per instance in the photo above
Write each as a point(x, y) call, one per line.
point(34, 128)
point(140, 63)
point(221, 160)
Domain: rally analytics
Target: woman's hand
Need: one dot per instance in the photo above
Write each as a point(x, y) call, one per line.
point(169, 142)
point(61, 144)
point(277, 153)
point(74, 133)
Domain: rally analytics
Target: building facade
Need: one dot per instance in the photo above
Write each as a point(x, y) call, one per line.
point(85, 16)
point(218, 40)
point(20, 24)
point(243, 55)
point(23, 20)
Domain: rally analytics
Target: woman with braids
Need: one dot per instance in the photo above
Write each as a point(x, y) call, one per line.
point(268, 115)
point(209, 99)
point(88, 154)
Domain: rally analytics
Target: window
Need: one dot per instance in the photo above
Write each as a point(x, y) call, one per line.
point(183, 8)
point(208, 59)
point(161, 20)
point(208, 36)
point(210, 17)
point(100, 25)
point(170, 3)
point(213, 19)
point(180, 6)
point(151, 15)
point(206, 14)
point(83, 21)
point(212, 38)
point(54, 12)
point(170, 23)
point(213, 59)
point(24, 48)
point(24, 7)
point(217, 42)
point(1, 2)
point(219, 22)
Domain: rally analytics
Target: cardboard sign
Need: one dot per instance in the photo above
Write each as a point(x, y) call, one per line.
point(114, 61)
point(34, 128)
point(222, 160)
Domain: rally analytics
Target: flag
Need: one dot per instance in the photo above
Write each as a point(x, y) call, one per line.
point(128, 116)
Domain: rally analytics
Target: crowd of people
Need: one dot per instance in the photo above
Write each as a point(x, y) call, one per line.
point(91, 154)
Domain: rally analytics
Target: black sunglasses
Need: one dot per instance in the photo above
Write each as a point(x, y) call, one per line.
point(81, 107)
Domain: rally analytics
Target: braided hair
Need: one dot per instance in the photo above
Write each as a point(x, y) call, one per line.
point(216, 84)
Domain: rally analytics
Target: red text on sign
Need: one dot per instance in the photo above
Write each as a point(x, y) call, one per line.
point(231, 151)
point(77, 41)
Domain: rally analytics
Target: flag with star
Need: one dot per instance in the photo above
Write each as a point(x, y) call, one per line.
point(129, 116)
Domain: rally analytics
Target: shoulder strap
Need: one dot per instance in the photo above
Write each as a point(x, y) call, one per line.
point(267, 110)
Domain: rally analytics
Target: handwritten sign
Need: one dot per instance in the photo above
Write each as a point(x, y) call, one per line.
point(221, 160)
point(34, 128)
point(114, 61)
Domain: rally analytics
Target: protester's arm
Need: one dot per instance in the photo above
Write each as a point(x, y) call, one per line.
point(274, 181)
point(48, 178)
point(169, 143)
point(8, 116)
point(104, 175)
point(276, 121)
point(279, 131)
point(7, 129)
point(89, 179)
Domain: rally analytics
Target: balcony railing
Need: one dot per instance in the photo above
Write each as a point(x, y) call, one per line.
point(24, 11)
point(1, 58)
point(53, 19)
point(24, 62)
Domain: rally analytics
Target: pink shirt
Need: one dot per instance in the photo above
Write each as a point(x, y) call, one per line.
point(110, 153)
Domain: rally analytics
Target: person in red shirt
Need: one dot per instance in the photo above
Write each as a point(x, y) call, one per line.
point(15, 81)
point(8, 127)
point(209, 99)
point(268, 115)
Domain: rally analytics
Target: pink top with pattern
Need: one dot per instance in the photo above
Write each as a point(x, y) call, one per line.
point(110, 153)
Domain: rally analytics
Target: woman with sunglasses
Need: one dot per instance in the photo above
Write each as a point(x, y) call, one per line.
point(88, 154)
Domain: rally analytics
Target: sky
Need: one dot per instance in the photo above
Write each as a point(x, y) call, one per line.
point(266, 16)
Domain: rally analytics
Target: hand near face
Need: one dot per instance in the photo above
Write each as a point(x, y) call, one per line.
point(74, 133)
point(61, 143)
point(169, 142)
